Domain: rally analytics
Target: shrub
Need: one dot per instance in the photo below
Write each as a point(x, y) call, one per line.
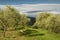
point(48, 21)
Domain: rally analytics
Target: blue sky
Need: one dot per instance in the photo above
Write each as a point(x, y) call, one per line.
point(15, 2)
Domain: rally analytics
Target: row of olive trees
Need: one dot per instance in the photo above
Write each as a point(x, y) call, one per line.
point(10, 17)
point(48, 21)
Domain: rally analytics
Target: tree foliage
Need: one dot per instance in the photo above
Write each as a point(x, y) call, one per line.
point(48, 21)
point(10, 17)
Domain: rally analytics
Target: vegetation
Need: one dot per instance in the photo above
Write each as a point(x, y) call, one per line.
point(10, 18)
point(48, 21)
point(16, 26)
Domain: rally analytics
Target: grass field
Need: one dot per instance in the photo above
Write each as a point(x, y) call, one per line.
point(40, 35)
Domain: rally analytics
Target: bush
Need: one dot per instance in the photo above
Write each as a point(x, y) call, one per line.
point(48, 21)
point(10, 17)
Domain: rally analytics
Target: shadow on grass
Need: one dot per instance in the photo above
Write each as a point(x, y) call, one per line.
point(10, 37)
point(31, 33)
point(37, 35)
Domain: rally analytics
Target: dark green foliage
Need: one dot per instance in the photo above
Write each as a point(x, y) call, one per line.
point(32, 20)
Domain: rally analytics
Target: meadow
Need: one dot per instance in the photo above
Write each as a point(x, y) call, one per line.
point(40, 34)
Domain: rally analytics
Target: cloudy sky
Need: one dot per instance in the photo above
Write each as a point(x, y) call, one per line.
point(33, 7)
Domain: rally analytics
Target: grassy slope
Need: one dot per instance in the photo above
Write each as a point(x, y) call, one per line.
point(14, 35)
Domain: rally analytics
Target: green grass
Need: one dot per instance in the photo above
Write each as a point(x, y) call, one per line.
point(14, 35)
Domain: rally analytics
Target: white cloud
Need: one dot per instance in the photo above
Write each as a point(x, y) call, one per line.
point(32, 7)
point(24, 8)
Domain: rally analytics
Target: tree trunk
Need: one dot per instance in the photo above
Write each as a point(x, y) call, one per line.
point(4, 33)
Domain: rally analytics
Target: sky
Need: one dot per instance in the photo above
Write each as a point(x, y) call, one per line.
point(33, 7)
point(15, 2)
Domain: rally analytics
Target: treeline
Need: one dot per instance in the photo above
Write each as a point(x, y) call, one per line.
point(10, 18)
point(48, 21)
